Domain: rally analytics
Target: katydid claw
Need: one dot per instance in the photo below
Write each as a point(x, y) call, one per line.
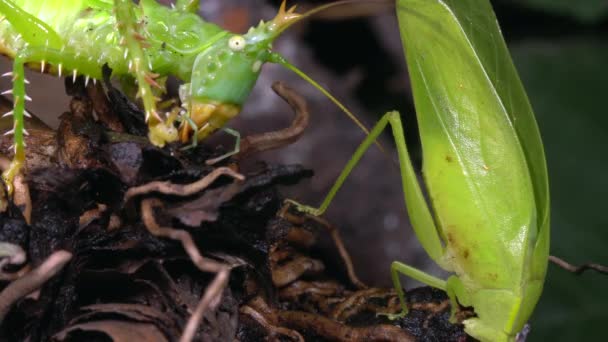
point(392, 316)
point(304, 208)
point(8, 176)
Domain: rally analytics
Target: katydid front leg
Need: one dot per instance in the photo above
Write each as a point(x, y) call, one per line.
point(418, 210)
point(37, 34)
point(160, 132)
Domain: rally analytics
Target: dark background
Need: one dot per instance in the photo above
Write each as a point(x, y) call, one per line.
point(561, 51)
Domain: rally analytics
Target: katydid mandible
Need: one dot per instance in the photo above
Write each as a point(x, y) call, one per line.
point(145, 43)
point(483, 166)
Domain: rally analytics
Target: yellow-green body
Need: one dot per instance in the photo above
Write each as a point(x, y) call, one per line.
point(489, 204)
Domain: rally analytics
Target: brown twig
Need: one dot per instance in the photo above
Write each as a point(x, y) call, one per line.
point(578, 269)
point(272, 330)
point(214, 291)
point(147, 214)
point(354, 300)
point(32, 281)
point(12, 254)
point(336, 331)
point(276, 139)
point(169, 188)
point(102, 107)
point(294, 269)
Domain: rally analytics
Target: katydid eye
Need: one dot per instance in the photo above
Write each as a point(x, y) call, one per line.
point(237, 43)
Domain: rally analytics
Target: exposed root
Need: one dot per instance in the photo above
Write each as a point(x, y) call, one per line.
point(276, 139)
point(578, 269)
point(336, 331)
point(302, 287)
point(147, 214)
point(32, 281)
point(91, 215)
point(273, 331)
point(294, 269)
point(435, 310)
point(214, 291)
point(322, 326)
point(103, 108)
point(210, 299)
point(335, 236)
point(169, 188)
point(348, 306)
point(12, 254)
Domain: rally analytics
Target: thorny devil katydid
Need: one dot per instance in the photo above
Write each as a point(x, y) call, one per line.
point(143, 42)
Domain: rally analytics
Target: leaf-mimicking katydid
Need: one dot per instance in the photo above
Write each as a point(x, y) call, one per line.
point(144, 43)
point(487, 217)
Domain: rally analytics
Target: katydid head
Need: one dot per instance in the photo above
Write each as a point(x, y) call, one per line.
point(224, 74)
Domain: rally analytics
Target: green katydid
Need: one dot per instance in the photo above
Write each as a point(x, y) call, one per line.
point(487, 220)
point(144, 43)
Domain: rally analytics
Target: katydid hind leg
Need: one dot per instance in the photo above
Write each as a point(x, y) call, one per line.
point(160, 132)
point(418, 210)
point(398, 268)
point(350, 165)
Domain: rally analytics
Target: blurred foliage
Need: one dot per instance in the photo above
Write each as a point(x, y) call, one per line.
point(583, 10)
point(566, 83)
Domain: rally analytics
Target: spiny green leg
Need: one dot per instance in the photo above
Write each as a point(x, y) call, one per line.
point(414, 273)
point(187, 5)
point(236, 150)
point(66, 60)
point(18, 125)
point(418, 210)
point(160, 132)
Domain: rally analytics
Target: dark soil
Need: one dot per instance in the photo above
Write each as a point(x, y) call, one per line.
point(127, 241)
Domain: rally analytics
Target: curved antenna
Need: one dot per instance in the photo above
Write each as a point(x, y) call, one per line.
point(278, 59)
point(284, 20)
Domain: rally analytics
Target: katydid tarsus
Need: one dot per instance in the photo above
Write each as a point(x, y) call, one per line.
point(487, 217)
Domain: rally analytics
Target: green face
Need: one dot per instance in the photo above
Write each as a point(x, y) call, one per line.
point(227, 71)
